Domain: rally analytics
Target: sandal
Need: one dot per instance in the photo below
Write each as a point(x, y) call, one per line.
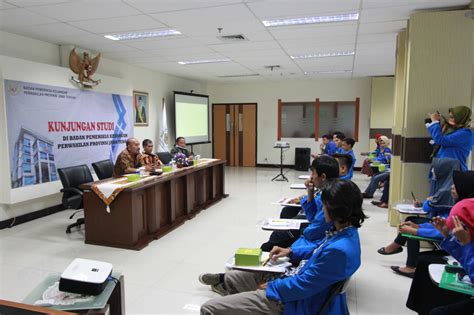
point(382, 251)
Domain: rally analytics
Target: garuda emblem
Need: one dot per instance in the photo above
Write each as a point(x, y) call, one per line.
point(84, 68)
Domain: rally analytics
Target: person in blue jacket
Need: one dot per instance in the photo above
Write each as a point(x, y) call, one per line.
point(452, 137)
point(345, 162)
point(323, 168)
point(437, 205)
point(304, 288)
point(384, 153)
point(347, 148)
point(328, 147)
point(337, 137)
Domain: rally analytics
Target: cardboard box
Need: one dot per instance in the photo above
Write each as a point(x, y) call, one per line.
point(248, 257)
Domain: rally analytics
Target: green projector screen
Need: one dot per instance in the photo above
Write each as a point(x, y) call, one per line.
point(192, 117)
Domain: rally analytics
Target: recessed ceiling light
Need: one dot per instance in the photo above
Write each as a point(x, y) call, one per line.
point(193, 62)
point(140, 35)
point(312, 20)
point(328, 72)
point(322, 55)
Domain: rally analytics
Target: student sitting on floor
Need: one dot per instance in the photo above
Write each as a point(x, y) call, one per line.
point(345, 162)
point(424, 293)
point(303, 289)
point(347, 145)
point(324, 167)
point(337, 137)
point(438, 205)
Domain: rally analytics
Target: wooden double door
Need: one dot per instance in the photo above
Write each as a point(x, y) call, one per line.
point(235, 133)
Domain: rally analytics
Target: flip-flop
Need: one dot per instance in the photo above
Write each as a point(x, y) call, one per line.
point(403, 273)
point(382, 251)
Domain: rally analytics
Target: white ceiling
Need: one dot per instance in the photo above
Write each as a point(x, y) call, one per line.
point(85, 22)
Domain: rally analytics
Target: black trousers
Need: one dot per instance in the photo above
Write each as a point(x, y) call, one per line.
point(413, 246)
point(424, 294)
point(284, 239)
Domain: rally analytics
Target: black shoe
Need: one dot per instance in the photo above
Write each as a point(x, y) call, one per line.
point(376, 202)
point(403, 273)
point(366, 195)
point(382, 251)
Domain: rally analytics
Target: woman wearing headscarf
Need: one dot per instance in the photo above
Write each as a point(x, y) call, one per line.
point(424, 294)
point(437, 205)
point(452, 137)
point(366, 169)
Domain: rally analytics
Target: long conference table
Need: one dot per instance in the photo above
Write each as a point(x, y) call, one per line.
point(150, 209)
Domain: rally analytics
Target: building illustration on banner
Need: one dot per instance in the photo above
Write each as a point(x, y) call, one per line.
point(33, 160)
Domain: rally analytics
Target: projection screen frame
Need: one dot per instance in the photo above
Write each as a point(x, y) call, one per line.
point(208, 119)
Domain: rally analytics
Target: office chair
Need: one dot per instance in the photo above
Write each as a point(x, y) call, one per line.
point(71, 178)
point(165, 157)
point(337, 288)
point(103, 169)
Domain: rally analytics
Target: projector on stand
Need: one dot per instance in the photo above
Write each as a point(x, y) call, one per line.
point(84, 276)
point(281, 144)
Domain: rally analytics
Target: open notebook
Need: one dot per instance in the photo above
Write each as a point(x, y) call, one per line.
point(278, 266)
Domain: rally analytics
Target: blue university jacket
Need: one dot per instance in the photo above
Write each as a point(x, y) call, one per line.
point(456, 145)
point(334, 259)
point(382, 158)
point(350, 173)
point(317, 227)
point(463, 254)
point(330, 148)
point(427, 229)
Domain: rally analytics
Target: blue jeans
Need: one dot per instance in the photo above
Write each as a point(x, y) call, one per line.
point(374, 182)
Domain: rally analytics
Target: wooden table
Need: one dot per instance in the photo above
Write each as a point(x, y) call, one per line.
point(148, 210)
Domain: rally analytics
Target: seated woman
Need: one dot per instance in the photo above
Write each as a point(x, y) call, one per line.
point(383, 158)
point(438, 205)
point(302, 290)
point(424, 294)
point(366, 169)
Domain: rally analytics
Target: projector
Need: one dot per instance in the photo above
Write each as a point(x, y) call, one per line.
point(281, 144)
point(84, 276)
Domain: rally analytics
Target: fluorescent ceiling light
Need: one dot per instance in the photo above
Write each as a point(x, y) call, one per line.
point(194, 62)
point(140, 35)
point(322, 55)
point(312, 20)
point(328, 72)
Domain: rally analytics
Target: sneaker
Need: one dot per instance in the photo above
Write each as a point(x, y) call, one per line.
point(219, 289)
point(209, 279)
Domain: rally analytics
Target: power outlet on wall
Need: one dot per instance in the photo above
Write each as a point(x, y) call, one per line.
point(265, 160)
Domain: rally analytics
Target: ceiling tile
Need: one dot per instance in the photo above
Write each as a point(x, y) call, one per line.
point(321, 49)
point(53, 33)
point(342, 63)
point(119, 24)
point(11, 18)
point(31, 3)
point(295, 45)
point(382, 27)
point(234, 19)
point(86, 10)
point(163, 43)
point(251, 36)
point(4, 5)
point(315, 32)
point(245, 46)
point(367, 4)
point(153, 6)
point(300, 8)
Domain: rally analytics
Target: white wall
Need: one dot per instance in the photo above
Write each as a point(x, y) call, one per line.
point(40, 63)
point(266, 95)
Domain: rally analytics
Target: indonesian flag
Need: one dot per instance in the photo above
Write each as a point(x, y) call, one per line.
point(163, 146)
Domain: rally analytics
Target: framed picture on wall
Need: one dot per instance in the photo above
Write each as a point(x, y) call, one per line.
point(140, 108)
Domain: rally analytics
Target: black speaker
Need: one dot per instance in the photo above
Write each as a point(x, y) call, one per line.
point(302, 159)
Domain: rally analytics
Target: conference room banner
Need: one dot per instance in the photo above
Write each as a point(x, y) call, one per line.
point(52, 127)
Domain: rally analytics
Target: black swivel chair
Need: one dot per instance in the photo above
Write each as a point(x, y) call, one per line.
point(165, 157)
point(103, 169)
point(71, 178)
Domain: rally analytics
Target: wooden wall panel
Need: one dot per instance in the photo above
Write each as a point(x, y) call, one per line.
point(249, 135)
point(219, 134)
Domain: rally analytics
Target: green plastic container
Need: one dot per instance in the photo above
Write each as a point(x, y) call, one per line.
point(133, 177)
point(167, 168)
point(382, 168)
point(248, 257)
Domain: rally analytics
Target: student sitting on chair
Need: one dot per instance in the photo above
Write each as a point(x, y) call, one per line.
point(424, 293)
point(347, 145)
point(337, 138)
point(302, 290)
point(366, 169)
point(345, 163)
point(324, 167)
point(384, 155)
point(383, 158)
point(327, 146)
point(438, 205)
